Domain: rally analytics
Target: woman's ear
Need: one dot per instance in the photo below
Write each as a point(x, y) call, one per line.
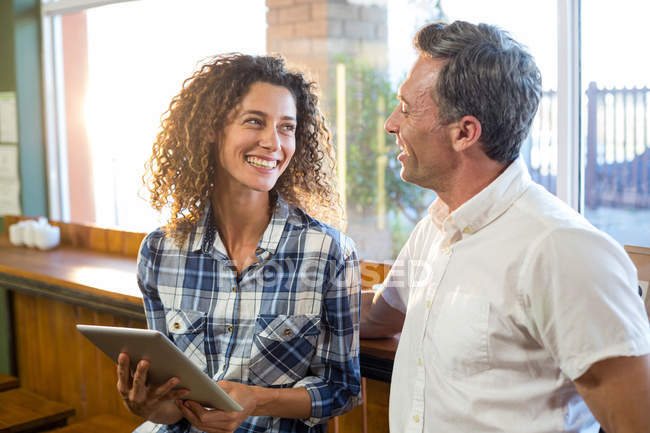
point(212, 137)
point(465, 133)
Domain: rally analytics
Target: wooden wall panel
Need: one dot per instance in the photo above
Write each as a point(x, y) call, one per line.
point(94, 238)
point(377, 406)
point(640, 256)
point(56, 361)
point(371, 417)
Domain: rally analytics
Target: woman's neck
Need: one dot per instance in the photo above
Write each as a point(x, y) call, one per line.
point(241, 219)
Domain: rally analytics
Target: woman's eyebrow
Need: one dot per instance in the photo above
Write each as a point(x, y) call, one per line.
point(264, 115)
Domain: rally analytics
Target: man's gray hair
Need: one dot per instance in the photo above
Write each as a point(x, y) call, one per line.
point(487, 75)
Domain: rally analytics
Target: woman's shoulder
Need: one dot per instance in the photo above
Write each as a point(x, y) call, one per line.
point(156, 242)
point(302, 221)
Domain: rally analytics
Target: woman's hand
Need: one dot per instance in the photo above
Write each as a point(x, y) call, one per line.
point(219, 421)
point(152, 403)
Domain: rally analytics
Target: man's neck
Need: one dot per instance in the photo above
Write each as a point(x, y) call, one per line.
point(471, 177)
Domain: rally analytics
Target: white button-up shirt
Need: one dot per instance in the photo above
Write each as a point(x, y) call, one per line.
point(508, 299)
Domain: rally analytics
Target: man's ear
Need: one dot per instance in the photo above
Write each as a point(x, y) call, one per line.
point(465, 133)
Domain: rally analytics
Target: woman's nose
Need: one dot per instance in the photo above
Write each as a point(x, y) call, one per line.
point(271, 139)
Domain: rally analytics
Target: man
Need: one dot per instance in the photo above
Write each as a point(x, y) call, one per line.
point(516, 314)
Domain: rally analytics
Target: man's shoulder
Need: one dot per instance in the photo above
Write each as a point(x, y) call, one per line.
point(548, 220)
point(542, 211)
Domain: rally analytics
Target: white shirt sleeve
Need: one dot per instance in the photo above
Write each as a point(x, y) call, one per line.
point(580, 288)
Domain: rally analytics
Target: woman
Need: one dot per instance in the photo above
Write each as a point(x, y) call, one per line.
point(263, 297)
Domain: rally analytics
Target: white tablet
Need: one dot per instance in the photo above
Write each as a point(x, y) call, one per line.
point(165, 361)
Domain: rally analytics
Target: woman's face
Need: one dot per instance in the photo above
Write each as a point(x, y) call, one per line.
point(259, 141)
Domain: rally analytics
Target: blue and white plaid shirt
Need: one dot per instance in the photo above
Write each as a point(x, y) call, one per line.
point(289, 320)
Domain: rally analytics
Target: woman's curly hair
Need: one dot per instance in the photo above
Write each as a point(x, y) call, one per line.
point(180, 173)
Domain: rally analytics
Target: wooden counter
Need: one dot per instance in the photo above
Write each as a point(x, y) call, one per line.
point(102, 281)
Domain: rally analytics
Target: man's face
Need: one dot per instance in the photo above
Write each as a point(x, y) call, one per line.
point(427, 155)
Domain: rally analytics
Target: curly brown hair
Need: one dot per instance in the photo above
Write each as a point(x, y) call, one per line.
point(180, 172)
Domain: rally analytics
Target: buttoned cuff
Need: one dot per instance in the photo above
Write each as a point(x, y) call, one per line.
point(321, 400)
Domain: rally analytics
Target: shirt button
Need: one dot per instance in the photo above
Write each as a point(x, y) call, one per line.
point(287, 332)
point(229, 328)
point(259, 251)
point(420, 361)
point(428, 303)
point(177, 325)
point(234, 288)
point(224, 367)
point(446, 251)
point(467, 230)
point(416, 418)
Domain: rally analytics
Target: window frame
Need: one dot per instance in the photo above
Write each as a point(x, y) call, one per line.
point(570, 186)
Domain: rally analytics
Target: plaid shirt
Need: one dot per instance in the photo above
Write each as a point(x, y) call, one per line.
point(289, 320)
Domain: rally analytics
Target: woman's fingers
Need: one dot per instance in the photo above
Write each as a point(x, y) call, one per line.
point(196, 409)
point(175, 394)
point(187, 412)
point(167, 391)
point(139, 389)
point(213, 420)
point(123, 375)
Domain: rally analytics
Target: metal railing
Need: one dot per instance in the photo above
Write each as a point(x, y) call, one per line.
point(617, 165)
point(617, 149)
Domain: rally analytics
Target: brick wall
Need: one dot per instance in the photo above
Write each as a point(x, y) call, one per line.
point(311, 34)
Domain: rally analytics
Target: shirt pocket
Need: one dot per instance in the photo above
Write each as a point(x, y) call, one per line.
point(187, 331)
point(282, 348)
point(460, 334)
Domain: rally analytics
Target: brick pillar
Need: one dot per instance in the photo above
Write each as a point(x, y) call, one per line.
point(311, 34)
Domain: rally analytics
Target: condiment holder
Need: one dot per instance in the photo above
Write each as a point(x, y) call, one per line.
point(35, 234)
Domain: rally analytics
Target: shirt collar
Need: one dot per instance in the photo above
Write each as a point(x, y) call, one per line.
point(487, 205)
point(205, 234)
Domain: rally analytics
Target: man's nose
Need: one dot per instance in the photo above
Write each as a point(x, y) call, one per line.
point(391, 125)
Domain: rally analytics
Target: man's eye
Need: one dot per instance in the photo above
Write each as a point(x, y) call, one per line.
point(402, 108)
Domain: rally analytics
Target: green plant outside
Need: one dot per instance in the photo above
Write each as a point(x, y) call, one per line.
point(370, 97)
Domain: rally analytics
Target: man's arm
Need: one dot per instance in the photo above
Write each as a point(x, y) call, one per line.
point(378, 318)
point(617, 391)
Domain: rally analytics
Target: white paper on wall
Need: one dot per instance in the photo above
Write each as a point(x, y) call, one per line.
point(8, 118)
point(9, 197)
point(9, 162)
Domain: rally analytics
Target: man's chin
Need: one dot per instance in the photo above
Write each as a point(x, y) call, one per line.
point(405, 176)
point(408, 178)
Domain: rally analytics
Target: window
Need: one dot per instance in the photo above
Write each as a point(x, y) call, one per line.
point(616, 119)
point(116, 68)
point(385, 209)
point(113, 69)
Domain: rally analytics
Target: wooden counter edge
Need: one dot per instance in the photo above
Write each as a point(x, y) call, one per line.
point(65, 291)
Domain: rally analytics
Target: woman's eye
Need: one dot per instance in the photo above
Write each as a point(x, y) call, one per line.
point(253, 121)
point(289, 127)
